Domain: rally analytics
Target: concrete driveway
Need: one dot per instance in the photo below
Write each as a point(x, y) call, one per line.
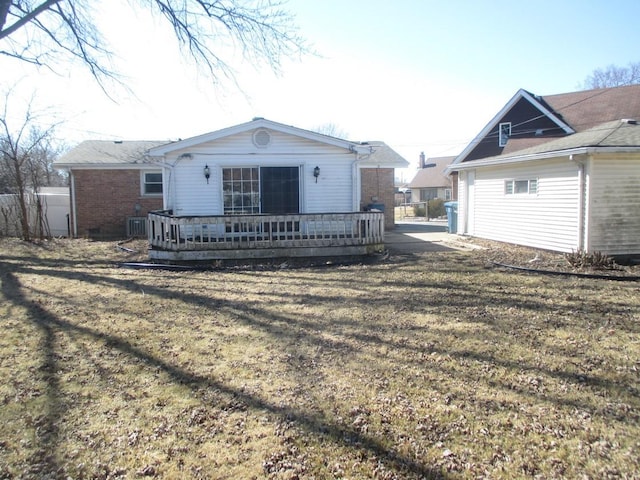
point(418, 237)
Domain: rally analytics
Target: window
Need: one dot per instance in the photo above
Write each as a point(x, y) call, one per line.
point(152, 183)
point(516, 187)
point(504, 132)
point(241, 190)
point(427, 194)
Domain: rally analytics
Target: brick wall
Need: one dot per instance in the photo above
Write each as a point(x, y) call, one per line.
point(104, 200)
point(378, 187)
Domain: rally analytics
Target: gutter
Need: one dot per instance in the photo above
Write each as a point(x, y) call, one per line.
point(100, 166)
point(538, 156)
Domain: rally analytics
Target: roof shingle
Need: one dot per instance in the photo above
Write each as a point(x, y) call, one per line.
point(433, 177)
point(586, 109)
point(107, 152)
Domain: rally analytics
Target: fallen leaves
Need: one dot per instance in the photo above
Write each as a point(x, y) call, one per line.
point(429, 367)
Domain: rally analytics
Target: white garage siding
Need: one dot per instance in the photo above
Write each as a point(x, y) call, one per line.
point(333, 192)
point(462, 226)
point(614, 206)
point(547, 219)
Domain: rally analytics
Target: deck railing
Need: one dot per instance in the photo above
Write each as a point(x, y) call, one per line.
point(236, 232)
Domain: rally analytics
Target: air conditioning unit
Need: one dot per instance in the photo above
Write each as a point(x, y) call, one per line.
point(137, 227)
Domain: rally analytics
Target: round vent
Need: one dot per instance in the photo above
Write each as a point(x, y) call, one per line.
point(261, 138)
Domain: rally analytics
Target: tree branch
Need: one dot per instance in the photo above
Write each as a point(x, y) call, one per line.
point(22, 21)
point(260, 28)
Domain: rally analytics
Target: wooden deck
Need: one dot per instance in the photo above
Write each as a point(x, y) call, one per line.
point(221, 237)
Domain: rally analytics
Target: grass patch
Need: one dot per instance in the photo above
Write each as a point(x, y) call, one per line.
point(429, 366)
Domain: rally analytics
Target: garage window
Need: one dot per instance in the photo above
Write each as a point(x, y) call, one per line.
point(520, 187)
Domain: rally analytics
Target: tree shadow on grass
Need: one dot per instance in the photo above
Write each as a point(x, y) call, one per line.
point(278, 327)
point(45, 462)
point(346, 337)
point(44, 458)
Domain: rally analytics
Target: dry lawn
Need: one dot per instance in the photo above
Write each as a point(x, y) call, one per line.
point(424, 366)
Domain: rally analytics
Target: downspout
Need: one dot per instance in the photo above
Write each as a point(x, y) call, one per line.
point(582, 186)
point(169, 199)
point(355, 200)
point(357, 181)
point(74, 210)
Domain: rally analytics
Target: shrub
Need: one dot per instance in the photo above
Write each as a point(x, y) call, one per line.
point(419, 211)
point(436, 208)
point(595, 260)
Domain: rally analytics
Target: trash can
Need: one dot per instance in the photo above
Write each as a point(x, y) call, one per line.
point(452, 216)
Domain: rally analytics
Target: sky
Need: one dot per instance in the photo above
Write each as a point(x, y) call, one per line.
point(420, 75)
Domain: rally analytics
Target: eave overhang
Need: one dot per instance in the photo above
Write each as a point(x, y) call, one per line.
point(494, 161)
point(106, 166)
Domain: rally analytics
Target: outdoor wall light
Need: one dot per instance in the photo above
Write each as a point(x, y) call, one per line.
point(316, 173)
point(207, 172)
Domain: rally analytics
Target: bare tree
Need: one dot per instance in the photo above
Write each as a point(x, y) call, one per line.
point(332, 130)
point(613, 76)
point(48, 32)
point(26, 155)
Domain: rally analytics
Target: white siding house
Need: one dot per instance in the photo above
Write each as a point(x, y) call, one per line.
point(260, 188)
point(579, 192)
point(188, 192)
point(613, 204)
point(546, 218)
point(323, 171)
point(268, 190)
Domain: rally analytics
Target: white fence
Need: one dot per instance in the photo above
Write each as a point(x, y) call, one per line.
point(55, 206)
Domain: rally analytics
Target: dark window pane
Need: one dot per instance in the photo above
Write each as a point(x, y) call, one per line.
point(154, 188)
point(522, 186)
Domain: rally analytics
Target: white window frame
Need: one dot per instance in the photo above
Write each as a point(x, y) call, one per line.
point(519, 186)
point(144, 183)
point(241, 190)
point(504, 132)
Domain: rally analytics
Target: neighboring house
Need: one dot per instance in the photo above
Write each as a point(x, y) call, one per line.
point(256, 168)
point(431, 181)
point(558, 172)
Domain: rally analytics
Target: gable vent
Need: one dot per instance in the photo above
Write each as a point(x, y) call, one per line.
point(261, 138)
